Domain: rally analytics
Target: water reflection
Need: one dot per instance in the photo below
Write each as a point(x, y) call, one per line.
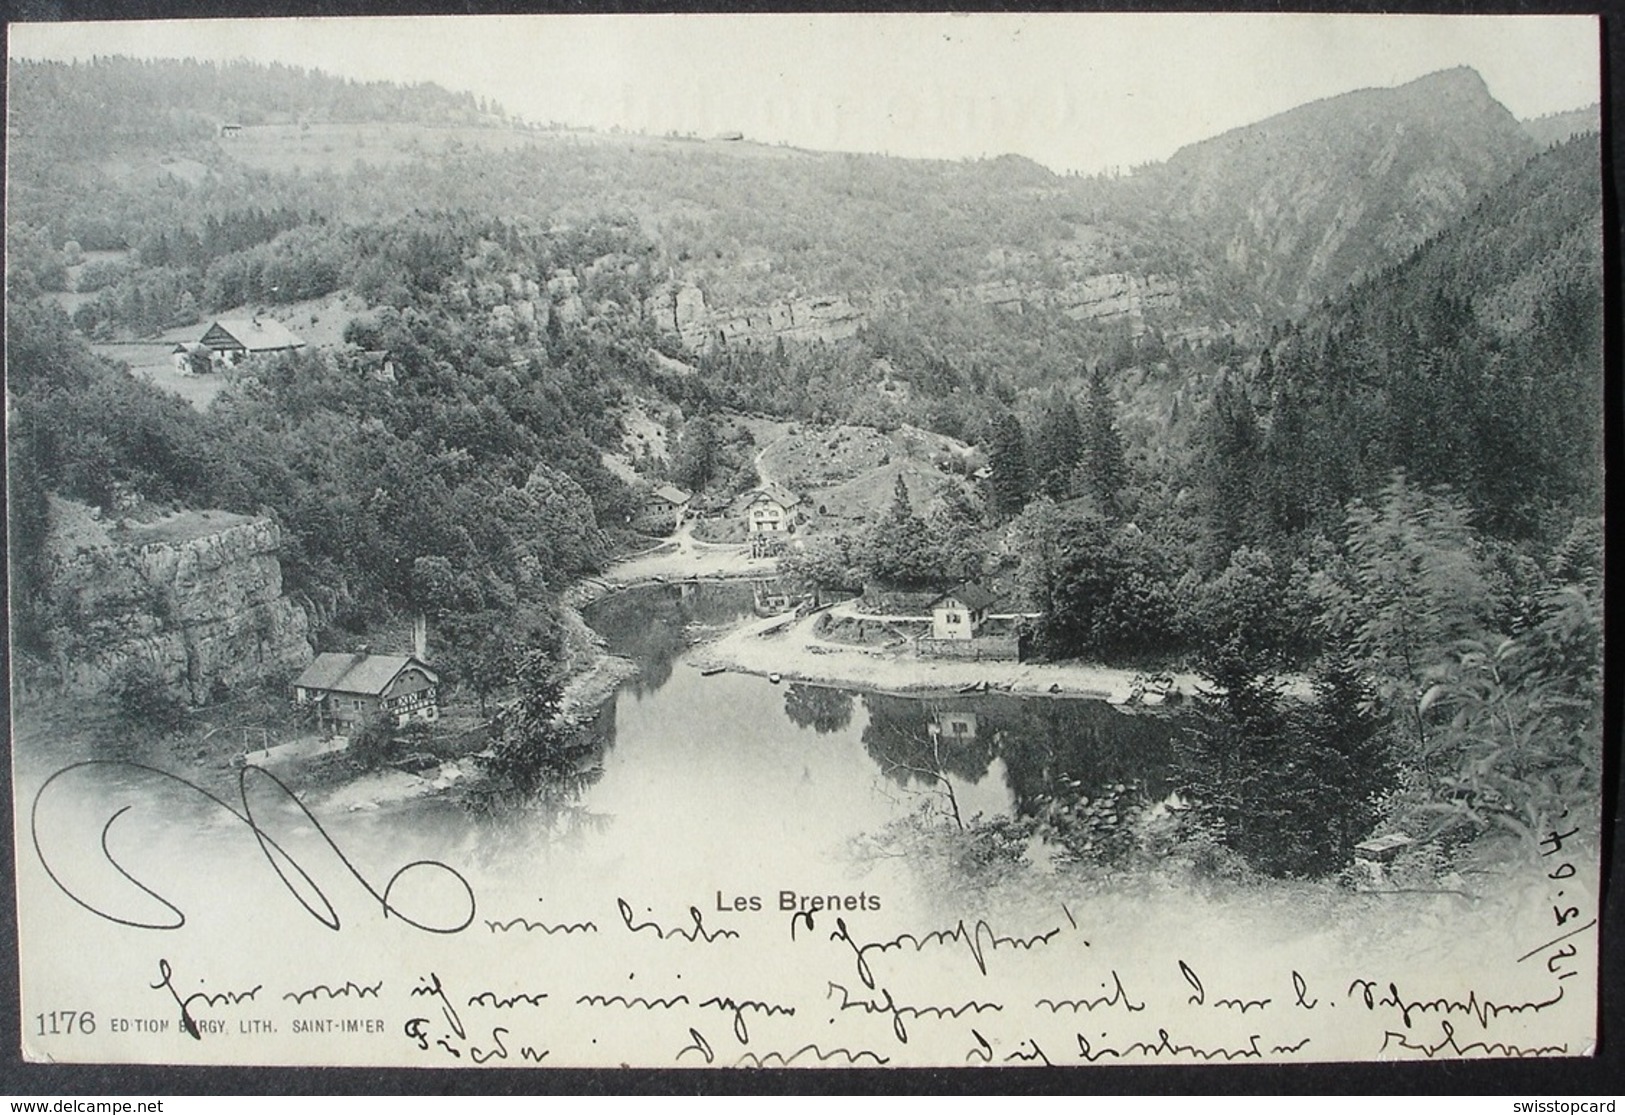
point(1047, 749)
point(822, 709)
point(986, 754)
point(652, 626)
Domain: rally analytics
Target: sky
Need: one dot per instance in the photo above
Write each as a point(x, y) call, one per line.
point(1075, 92)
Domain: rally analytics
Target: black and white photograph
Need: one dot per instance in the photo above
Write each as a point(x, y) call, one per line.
point(806, 541)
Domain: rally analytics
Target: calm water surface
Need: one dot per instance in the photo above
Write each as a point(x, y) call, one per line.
point(737, 768)
point(726, 782)
point(707, 789)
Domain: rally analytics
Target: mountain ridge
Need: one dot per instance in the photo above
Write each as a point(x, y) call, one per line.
point(1302, 204)
point(1229, 234)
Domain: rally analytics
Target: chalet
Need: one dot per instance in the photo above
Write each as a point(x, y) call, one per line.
point(231, 339)
point(960, 612)
point(346, 690)
point(768, 510)
point(666, 500)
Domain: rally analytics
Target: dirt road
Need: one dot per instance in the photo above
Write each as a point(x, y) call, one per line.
point(684, 556)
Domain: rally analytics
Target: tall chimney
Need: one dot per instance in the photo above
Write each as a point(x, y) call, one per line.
point(420, 637)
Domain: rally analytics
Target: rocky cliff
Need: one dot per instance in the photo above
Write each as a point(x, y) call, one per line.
point(196, 596)
point(1109, 297)
point(680, 310)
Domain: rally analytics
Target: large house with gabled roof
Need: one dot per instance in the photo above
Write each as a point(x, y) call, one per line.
point(347, 690)
point(232, 339)
point(769, 509)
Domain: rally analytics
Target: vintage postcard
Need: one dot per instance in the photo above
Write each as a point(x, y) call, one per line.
point(807, 540)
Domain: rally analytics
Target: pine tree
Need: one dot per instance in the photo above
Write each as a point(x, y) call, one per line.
point(695, 464)
point(1233, 472)
point(1009, 485)
point(1057, 448)
point(1106, 467)
point(951, 534)
point(1233, 755)
point(897, 553)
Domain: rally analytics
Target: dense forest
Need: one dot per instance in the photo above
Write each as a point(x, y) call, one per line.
point(111, 105)
point(471, 489)
point(1372, 475)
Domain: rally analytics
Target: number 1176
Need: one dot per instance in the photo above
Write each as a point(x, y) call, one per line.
point(66, 1022)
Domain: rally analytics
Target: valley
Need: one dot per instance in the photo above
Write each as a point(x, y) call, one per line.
point(551, 499)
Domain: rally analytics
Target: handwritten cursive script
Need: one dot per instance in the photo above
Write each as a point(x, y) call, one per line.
point(289, 871)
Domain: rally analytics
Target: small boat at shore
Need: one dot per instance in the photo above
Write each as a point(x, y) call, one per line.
point(712, 671)
point(774, 678)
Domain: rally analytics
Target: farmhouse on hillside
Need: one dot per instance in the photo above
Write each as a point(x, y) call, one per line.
point(229, 340)
point(666, 502)
point(346, 690)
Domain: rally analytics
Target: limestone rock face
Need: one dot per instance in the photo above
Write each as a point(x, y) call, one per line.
point(826, 318)
point(1104, 297)
point(680, 310)
point(1118, 296)
point(197, 596)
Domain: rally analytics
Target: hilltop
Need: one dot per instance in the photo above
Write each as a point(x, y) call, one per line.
point(1298, 206)
point(749, 243)
point(1555, 127)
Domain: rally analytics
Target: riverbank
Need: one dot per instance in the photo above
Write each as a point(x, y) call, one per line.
point(789, 646)
point(592, 673)
point(681, 558)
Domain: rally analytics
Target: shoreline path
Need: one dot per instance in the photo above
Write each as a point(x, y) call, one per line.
point(788, 646)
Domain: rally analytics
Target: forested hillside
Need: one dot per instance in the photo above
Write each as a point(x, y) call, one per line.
point(113, 105)
point(472, 486)
point(1263, 220)
point(1555, 127)
point(1301, 204)
point(1472, 364)
point(1318, 396)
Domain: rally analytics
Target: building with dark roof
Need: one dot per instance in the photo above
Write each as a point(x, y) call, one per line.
point(347, 690)
point(231, 339)
point(670, 495)
point(769, 509)
point(664, 507)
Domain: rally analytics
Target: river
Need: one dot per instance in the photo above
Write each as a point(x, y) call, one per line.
point(736, 767)
point(708, 807)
